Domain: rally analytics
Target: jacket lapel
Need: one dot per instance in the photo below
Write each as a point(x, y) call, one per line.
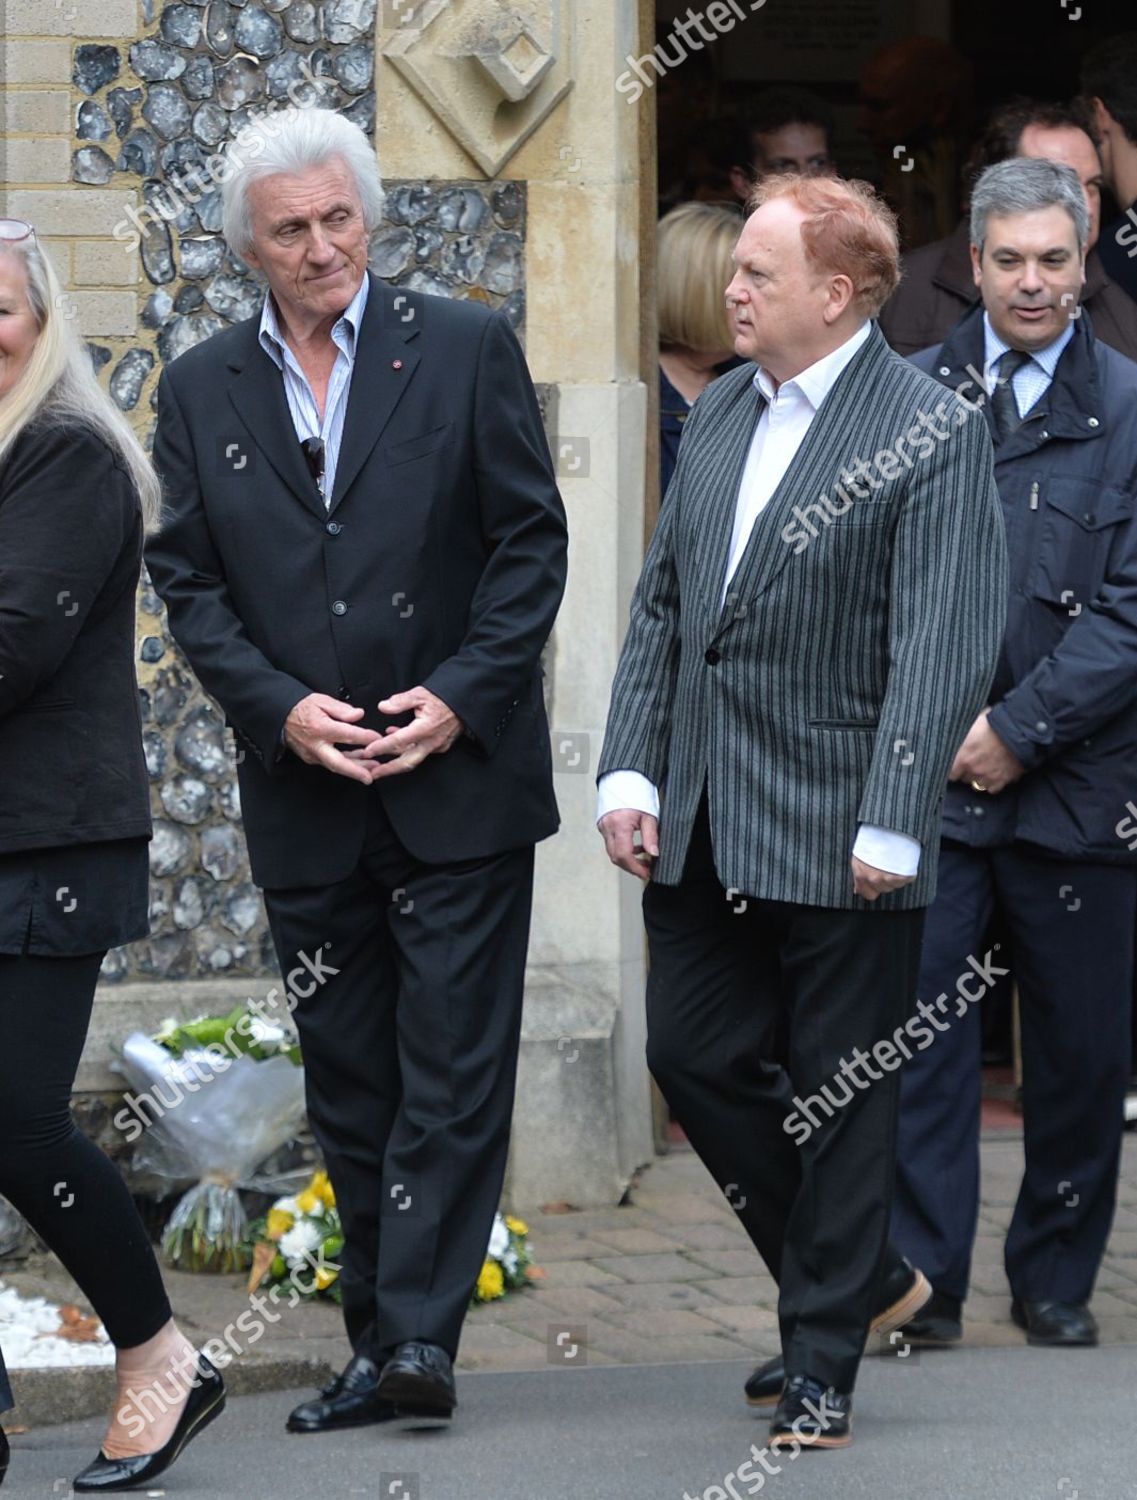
point(385, 363)
point(802, 484)
point(258, 395)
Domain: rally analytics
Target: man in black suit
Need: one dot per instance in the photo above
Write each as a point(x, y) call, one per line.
point(363, 559)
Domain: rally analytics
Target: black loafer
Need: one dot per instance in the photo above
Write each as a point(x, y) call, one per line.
point(1055, 1325)
point(812, 1415)
point(419, 1379)
point(206, 1401)
point(939, 1321)
point(904, 1293)
point(351, 1400)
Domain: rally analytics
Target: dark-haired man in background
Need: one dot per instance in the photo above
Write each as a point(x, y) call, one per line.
point(938, 285)
point(1109, 82)
point(781, 130)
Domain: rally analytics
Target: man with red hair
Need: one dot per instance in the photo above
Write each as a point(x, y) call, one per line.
point(815, 627)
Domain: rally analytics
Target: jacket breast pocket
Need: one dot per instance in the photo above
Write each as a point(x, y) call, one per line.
point(1081, 524)
point(408, 449)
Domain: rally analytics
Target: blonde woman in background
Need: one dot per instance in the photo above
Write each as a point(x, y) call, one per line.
point(77, 494)
point(696, 241)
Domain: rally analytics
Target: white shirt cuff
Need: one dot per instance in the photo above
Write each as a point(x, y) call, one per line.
point(885, 849)
point(620, 789)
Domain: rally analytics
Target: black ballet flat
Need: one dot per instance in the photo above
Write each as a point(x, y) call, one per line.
point(206, 1401)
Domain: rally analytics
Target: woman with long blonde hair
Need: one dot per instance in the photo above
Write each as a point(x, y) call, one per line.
point(77, 494)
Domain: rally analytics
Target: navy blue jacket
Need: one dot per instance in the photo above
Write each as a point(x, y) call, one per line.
point(1065, 689)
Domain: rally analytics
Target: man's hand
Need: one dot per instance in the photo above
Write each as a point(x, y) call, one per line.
point(398, 750)
point(317, 725)
point(617, 830)
point(870, 882)
point(984, 760)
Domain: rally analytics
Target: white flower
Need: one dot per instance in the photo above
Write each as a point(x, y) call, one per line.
point(499, 1238)
point(288, 1206)
point(304, 1238)
point(265, 1033)
point(509, 1262)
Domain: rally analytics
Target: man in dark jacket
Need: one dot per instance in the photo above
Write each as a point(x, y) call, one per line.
point(1036, 818)
point(938, 287)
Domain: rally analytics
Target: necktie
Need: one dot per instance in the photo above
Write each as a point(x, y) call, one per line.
point(1004, 407)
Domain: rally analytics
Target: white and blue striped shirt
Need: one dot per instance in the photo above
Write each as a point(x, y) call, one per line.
point(301, 399)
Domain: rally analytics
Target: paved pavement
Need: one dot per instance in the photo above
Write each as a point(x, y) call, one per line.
point(668, 1279)
point(969, 1424)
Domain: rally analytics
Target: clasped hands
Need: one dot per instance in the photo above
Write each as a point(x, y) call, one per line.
point(319, 726)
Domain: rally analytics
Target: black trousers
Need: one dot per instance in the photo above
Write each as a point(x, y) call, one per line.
point(64, 1186)
point(410, 1057)
point(1070, 926)
point(752, 1006)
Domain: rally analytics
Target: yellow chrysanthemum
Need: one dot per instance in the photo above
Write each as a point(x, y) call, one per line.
point(491, 1282)
point(324, 1277)
point(322, 1187)
point(280, 1221)
point(309, 1201)
point(516, 1226)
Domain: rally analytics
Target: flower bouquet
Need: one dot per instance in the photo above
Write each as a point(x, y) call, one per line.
point(217, 1096)
point(298, 1232)
point(509, 1262)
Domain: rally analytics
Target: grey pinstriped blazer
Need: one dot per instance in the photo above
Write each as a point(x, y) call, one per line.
point(856, 645)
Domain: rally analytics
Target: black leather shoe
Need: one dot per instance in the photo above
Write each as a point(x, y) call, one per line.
point(1055, 1324)
point(4, 1451)
point(764, 1388)
point(814, 1415)
point(419, 1379)
point(939, 1321)
point(350, 1400)
point(904, 1293)
point(206, 1401)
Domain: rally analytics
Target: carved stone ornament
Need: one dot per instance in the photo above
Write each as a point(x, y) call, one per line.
point(490, 70)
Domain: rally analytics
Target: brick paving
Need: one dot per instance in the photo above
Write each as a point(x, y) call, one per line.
point(672, 1275)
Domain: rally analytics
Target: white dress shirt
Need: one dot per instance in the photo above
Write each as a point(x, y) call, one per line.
point(781, 429)
point(302, 405)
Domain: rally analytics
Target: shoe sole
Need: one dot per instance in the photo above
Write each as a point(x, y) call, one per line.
point(414, 1399)
point(763, 1400)
point(820, 1440)
point(904, 1308)
point(917, 1296)
point(340, 1426)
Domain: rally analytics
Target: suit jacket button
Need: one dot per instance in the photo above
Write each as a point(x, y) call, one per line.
point(339, 608)
point(712, 657)
point(333, 528)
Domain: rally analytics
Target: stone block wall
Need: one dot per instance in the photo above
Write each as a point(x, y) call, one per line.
point(114, 114)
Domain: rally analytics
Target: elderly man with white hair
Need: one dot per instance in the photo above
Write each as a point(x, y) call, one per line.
point(363, 558)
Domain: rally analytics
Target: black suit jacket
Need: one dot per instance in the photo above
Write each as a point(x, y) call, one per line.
point(72, 769)
point(440, 562)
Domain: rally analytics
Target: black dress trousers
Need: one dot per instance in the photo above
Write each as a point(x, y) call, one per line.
point(752, 1006)
point(410, 1056)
